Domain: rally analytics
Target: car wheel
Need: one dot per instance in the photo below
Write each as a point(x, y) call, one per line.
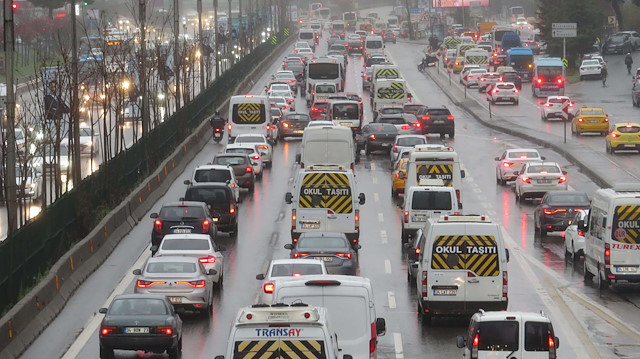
point(588, 276)
point(106, 353)
point(234, 231)
point(405, 236)
point(567, 254)
point(603, 283)
point(542, 117)
point(425, 318)
point(366, 149)
point(394, 193)
point(252, 188)
point(581, 78)
point(452, 133)
point(516, 102)
point(176, 352)
point(574, 255)
point(543, 232)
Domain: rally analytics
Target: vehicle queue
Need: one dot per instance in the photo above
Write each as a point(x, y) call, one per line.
point(311, 298)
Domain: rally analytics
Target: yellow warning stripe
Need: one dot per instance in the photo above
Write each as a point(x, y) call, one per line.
point(629, 213)
point(432, 170)
point(457, 254)
point(249, 112)
point(324, 180)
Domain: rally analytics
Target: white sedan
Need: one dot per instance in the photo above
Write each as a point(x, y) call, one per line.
point(537, 178)
point(503, 92)
point(472, 78)
point(590, 68)
point(281, 270)
point(553, 107)
point(405, 143)
point(262, 144)
point(574, 237)
point(512, 160)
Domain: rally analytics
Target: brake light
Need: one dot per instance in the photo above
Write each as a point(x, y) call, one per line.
point(449, 117)
point(406, 127)
point(581, 233)
point(313, 109)
point(406, 216)
point(607, 255)
point(606, 119)
point(293, 219)
point(157, 226)
point(146, 283)
point(515, 91)
point(165, 329)
point(285, 107)
point(229, 127)
point(284, 124)
point(372, 341)
point(456, 63)
point(194, 283)
point(458, 195)
point(268, 287)
point(526, 180)
point(474, 348)
point(217, 130)
point(554, 211)
point(372, 136)
point(106, 330)
point(562, 179)
point(507, 164)
point(552, 348)
point(232, 208)
point(344, 255)
point(248, 169)
point(424, 284)
point(417, 124)
point(208, 259)
point(426, 118)
point(255, 157)
point(505, 284)
point(417, 250)
point(539, 81)
point(495, 91)
point(580, 119)
point(300, 255)
point(560, 81)
point(395, 148)
point(614, 135)
point(548, 104)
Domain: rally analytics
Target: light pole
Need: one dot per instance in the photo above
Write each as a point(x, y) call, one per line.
point(176, 50)
point(76, 171)
point(217, 36)
point(10, 103)
point(144, 110)
point(201, 46)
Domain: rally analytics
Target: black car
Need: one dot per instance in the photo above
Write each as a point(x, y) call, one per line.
point(354, 46)
point(242, 168)
point(389, 36)
point(140, 322)
point(334, 249)
point(377, 136)
point(617, 44)
point(635, 94)
point(557, 209)
point(436, 120)
point(413, 254)
point(219, 200)
point(293, 125)
point(375, 60)
point(182, 217)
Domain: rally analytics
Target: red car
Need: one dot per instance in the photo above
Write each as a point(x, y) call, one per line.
point(318, 109)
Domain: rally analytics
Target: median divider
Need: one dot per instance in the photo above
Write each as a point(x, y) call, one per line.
point(33, 313)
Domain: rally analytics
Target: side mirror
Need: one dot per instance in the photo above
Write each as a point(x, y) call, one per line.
point(564, 172)
point(462, 173)
point(102, 310)
point(407, 245)
point(401, 175)
point(543, 158)
point(381, 327)
point(153, 215)
point(180, 310)
point(137, 272)
point(288, 246)
point(361, 198)
point(153, 249)
point(187, 182)
point(260, 276)
point(219, 357)
point(212, 272)
point(298, 157)
point(516, 173)
point(288, 198)
point(507, 254)
point(582, 224)
point(461, 341)
point(182, 199)
point(358, 246)
point(497, 158)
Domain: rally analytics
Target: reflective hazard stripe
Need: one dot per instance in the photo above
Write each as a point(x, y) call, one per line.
point(443, 172)
point(625, 223)
point(256, 349)
point(249, 112)
point(477, 60)
point(387, 73)
point(478, 254)
point(322, 181)
point(279, 349)
point(302, 349)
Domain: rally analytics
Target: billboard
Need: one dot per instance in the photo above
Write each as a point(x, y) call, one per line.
point(460, 3)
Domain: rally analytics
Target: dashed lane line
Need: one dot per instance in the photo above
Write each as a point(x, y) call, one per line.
point(387, 266)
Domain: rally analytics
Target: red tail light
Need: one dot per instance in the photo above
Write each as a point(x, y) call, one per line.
point(395, 148)
point(548, 104)
point(417, 250)
point(285, 125)
point(344, 255)
point(560, 81)
point(255, 157)
point(515, 91)
point(357, 219)
point(505, 284)
point(229, 127)
point(406, 127)
point(474, 348)
point(607, 255)
point(293, 219)
point(268, 287)
point(373, 340)
point(165, 330)
point(426, 118)
point(614, 135)
point(157, 226)
point(539, 81)
point(581, 233)
point(552, 347)
point(207, 259)
point(300, 255)
point(554, 211)
point(449, 117)
point(406, 216)
point(495, 91)
point(458, 195)
point(249, 169)
point(424, 288)
point(372, 136)
point(106, 330)
point(205, 226)
point(416, 124)
point(507, 164)
point(526, 180)
point(217, 130)
point(232, 208)
point(146, 283)
point(606, 119)
point(580, 119)
point(562, 179)
point(194, 283)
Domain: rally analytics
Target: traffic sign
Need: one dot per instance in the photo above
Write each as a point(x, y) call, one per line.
point(611, 20)
point(565, 109)
point(564, 25)
point(565, 62)
point(564, 32)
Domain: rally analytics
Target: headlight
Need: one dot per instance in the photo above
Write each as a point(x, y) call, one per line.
point(86, 97)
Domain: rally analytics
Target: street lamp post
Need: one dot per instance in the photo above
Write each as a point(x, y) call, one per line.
point(176, 50)
point(75, 109)
point(201, 46)
point(144, 110)
point(217, 37)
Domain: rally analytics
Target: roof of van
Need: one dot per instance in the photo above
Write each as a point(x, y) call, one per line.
point(515, 316)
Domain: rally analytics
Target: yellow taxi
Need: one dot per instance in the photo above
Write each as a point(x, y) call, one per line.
point(623, 136)
point(398, 177)
point(590, 119)
point(458, 64)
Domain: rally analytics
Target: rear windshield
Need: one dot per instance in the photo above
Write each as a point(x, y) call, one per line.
point(325, 88)
point(590, 62)
point(171, 267)
point(543, 169)
point(212, 175)
point(186, 244)
point(523, 154)
point(630, 129)
point(373, 44)
point(247, 151)
point(383, 128)
point(592, 112)
point(556, 100)
point(505, 87)
point(411, 141)
point(431, 200)
point(346, 111)
point(321, 242)
point(208, 195)
point(536, 337)
point(392, 120)
point(249, 139)
point(306, 35)
point(574, 198)
point(178, 213)
point(498, 336)
point(295, 269)
point(138, 306)
point(436, 111)
point(391, 111)
point(231, 161)
point(298, 117)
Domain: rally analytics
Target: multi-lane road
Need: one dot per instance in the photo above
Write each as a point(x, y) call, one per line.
point(589, 323)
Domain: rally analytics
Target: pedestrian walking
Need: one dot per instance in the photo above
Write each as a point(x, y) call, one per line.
point(603, 75)
point(628, 60)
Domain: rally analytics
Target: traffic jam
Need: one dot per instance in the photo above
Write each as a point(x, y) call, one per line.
point(344, 127)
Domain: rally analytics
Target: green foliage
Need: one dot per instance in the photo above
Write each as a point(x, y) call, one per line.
point(586, 13)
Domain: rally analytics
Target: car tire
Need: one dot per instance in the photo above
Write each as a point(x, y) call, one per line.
point(234, 231)
point(367, 151)
point(581, 78)
point(542, 117)
point(588, 276)
point(106, 353)
point(603, 283)
point(176, 352)
point(516, 102)
point(500, 181)
point(543, 232)
point(405, 236)
point(252, 188)
point(425, 318)
point(567, 254)
point(452, 133)
point(394, 193)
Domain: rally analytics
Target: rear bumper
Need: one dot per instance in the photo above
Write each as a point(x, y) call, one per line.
point(635, 278)
point(149, 342)
point(460, 308)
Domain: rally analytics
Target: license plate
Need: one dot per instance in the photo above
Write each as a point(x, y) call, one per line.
point(298, 131)
point(445, 292)
point(325, 259)
point(630, 146)
point(544, 181)
point(182, 230)
point(311, 225)
point(215, 219)
point(626, 269)
point(594, 121)
point(347, 124)
point(386, 145)
point(175, 300)
point(136, 330)
point(438, 121)
point(420, 218)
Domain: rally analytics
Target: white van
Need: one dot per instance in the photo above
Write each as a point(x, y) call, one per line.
point(283, 331)
point(388, 92)
point(345, 113)
point(248, 114)
point(519, 335)
point(373, 45)
point(350, 304)
point(384, 71)
point(612, 235)
point(327, 146)
point(429, 200)
point(462, 267)
point(324, 201)
point(476, 56)
point(308, 36)
point(435, 162)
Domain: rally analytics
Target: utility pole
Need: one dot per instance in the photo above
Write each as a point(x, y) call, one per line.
point(199, 4)
point(217, 36)
point(76, 171)
point(241, 41)
point(230, 38)
point(144, 111)
point(10, 125)
point(176, 50)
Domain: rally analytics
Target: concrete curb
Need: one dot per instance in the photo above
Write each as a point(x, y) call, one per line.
point(31, 315)
point(499, 123)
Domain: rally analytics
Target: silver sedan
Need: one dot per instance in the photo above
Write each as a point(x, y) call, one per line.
point(198, 246)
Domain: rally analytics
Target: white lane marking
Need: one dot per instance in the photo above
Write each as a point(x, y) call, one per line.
point(383, 236)
point(92, 324)
point(387, 266)
point(376, 197)
point(397, 342)
point(380, 217)
point(477, 189)
point(374, 180)
point(392, 300)
point(373, 166)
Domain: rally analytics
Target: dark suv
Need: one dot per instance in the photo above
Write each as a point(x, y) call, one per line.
point(182, 217)
point(219, 199)
point(436, 120)
point(635, 94)
point(242, 168)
